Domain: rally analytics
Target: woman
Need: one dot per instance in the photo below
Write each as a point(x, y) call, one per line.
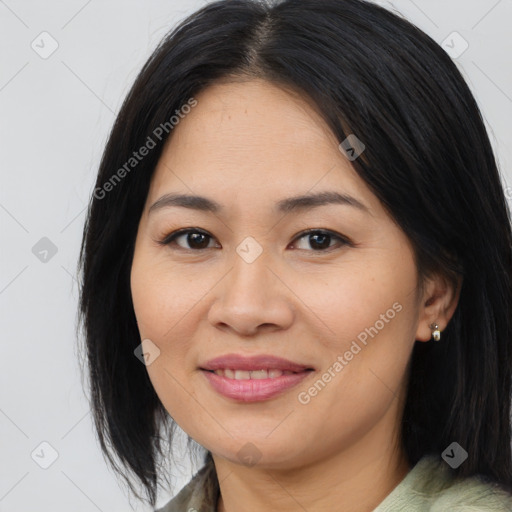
point(299, 251)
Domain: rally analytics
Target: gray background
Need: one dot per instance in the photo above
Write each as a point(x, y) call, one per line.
point(56, 113)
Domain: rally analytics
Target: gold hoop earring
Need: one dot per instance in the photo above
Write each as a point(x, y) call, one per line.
point(436, 333)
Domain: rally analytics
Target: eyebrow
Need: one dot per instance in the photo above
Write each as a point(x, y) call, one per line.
point(291, 204)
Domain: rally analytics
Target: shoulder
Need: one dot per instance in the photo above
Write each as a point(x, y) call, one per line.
point(431, 486)
point(199, 495)
point(472, 495)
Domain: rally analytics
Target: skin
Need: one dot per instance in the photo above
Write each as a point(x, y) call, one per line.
point(248, 144)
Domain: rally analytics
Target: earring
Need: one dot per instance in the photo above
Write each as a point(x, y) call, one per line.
point(436, 333)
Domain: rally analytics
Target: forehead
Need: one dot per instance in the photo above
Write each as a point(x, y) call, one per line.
point(243, 116)
point(253, 139)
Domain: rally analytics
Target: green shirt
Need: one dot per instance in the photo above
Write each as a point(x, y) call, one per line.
point(429, 486)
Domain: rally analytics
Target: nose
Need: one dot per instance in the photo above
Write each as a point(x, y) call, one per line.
point(252, 298)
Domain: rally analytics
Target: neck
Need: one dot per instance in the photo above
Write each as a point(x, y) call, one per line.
point(354, 480)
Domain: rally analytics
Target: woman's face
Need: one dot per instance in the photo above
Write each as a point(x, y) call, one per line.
point(340, 306)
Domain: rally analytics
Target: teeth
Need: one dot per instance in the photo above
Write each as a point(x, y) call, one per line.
point(254, 375)
point(259, 374)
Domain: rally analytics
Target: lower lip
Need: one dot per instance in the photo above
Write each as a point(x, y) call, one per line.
point(254, 390)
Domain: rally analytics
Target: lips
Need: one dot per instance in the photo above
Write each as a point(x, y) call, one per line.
point(270, 373)
point(253, 364)
point(253, 378)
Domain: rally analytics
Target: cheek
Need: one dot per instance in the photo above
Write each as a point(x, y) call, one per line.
point(167, 308)
point(369, 320)
point(160, 305)
point(356, 297)
point(162, 296)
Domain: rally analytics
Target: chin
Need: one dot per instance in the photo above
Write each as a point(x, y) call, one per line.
point(259, 451)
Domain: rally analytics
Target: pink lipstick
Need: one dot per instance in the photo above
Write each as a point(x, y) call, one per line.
point(253, 378)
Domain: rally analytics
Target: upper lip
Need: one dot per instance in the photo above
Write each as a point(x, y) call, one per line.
point(253, 363)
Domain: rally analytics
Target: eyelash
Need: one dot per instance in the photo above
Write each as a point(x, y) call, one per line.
point(169, 240)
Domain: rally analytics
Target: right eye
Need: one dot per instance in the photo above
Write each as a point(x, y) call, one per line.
point(197, 239)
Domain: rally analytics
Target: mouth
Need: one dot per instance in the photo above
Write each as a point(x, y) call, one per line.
point(254, 363)
point(271, 373)
point(253, 378)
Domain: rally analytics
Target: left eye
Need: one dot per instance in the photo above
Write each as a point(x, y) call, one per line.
point(320, 240)
point(198, 240)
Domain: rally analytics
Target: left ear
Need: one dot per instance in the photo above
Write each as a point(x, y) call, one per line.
point(438, 304)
